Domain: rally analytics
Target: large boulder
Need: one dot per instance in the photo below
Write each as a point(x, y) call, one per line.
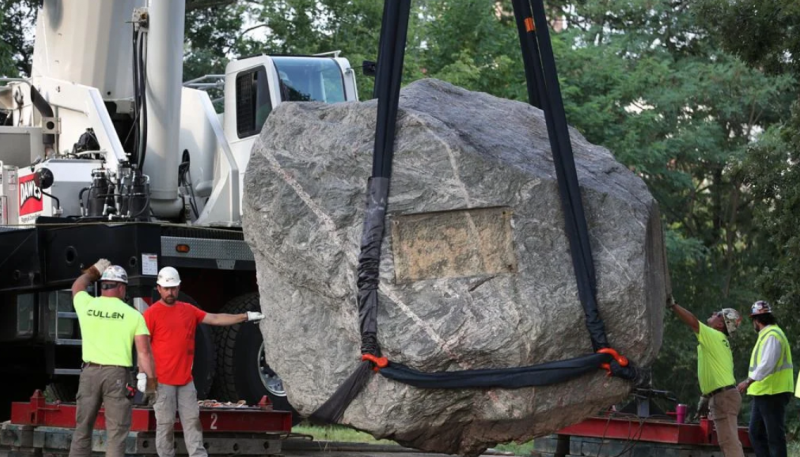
point(475, 267)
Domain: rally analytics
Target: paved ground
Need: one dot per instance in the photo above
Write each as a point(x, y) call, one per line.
point(304, 448)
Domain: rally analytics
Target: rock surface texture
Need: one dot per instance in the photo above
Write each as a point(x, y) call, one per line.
point(475, 267)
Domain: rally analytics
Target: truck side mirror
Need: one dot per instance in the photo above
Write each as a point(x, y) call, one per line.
point(44, 178)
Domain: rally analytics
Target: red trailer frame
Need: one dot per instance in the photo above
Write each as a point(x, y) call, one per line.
point(257, 419)
point(650, 430)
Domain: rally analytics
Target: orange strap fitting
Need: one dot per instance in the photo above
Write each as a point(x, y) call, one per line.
point(529, 27)
point(621, 360)
point(380, 362)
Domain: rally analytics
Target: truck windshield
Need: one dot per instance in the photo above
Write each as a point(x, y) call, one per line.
point(310, 79)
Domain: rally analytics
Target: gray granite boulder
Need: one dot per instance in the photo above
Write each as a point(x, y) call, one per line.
point(475, 267)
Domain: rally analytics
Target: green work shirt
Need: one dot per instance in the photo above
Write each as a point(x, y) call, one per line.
point(108, 326)
point(714, 360)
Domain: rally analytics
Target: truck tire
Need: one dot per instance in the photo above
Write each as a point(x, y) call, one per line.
point(63, 390)
point(242, 371)
point(205, 362)
point(205, 354)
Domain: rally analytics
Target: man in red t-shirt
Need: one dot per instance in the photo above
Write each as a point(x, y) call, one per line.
point(172, 326)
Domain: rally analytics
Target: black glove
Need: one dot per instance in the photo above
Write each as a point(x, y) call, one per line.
point(639, 376)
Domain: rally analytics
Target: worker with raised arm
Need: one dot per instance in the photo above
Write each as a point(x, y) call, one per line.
point(109, 329)
point(770, 382)
point(715, 372)
point(172, 325)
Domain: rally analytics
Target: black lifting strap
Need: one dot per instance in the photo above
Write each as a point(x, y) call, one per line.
point(543, 92)
point(394, 28)
point(545, 81)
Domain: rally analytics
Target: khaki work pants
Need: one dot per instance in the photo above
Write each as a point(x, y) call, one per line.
point(102, 385)
point(184, 399)
point(724, 410)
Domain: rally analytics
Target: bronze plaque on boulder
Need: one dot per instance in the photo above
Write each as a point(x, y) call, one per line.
point(452, 244)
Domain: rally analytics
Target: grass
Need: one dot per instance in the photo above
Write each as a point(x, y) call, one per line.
point(517, 449)
point(344, 434)
point(337, 433)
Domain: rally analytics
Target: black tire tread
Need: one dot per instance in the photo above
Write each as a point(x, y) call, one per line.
point(62, 391)
point(225, 341)
point(203, 386)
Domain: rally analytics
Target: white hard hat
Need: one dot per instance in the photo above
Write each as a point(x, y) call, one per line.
point(760, 307)
point(168, 277)
point(115, 273)
point(732, 319)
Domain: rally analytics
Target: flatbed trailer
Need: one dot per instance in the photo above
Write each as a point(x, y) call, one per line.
point(41, 429)
point(630, 436)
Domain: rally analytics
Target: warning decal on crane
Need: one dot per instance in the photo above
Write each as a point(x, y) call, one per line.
point(30, 196)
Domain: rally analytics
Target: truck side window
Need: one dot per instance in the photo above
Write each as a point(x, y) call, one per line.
point(253, 104)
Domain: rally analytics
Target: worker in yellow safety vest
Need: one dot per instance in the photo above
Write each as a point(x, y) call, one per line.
point(770, 382)
point(715, 372)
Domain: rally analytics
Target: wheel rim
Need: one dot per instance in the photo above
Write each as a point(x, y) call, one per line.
point(273, 384)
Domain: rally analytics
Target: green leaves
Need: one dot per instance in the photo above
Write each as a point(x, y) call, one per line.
point(648, 80)
point(16, 46)
point(772, 176)
point(212, 30)
point(763, 33)
point(7, 68)
point(766, 35)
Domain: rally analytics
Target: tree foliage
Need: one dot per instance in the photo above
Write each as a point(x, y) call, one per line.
point(17, 17)
point(212, 30)
point(766, 35)
point(7, 68)
point(646, 79)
